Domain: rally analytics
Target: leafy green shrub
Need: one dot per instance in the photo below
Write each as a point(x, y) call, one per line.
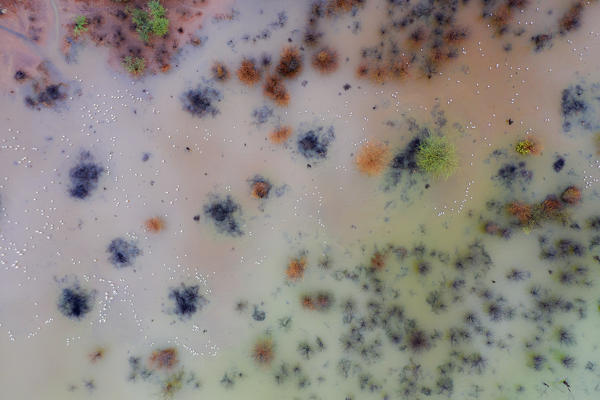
point(80, 25)
point(143, 26)
point(160, 26)
point(437, 157)
point(160, 23)
point(156, 10)
point(524, 147)
point(134, 65)
point(150, 22)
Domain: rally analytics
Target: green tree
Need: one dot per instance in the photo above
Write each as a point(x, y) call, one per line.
point(80, 25)
point(437, 157)
point(151, 22)
point(134, 65)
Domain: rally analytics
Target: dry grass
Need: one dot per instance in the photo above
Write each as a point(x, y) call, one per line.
point(325, 60)
point(372, 158)
point(295, 268)
point(96, 355)
point(362, 71)
point(164, 358)
point(280, 135)
point(276, 91)
point(261, 189)
point(337, 7)
point(248, 73)
point(522, 211)
point(571, 195)
point(220, 72)
point(155, 224)
point(290, 63)
point(378, 260)
point(308, 302)
point(263, 352)
point(378, 74)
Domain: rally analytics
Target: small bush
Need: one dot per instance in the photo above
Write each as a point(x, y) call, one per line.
point(160, 24)
point(150, 22)
point(143, 26)
point(524, 147)
point(80, 25)
point(437, 157)
point(134, 65)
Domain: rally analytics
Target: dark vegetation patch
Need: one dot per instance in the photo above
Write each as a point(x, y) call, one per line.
point(405, 161)
point(559, 164)
point(258, 314)
point(414, 37)
point(511, 174)
point(202, 101)
point(20, 75)
point(572, 104)
point(571, 19)
point(570, 248)
point(537, 361)
point(546, 303)
point(436, 301)
point(138, 370)
point(48, 95)
point(230, 378)
point(225, 214)
point(262, 114)
point(314, 143)
point(122, 252)
point(579, 107)
point(187, 300)
point(75, 302)
point(496, 307)
point(475, 257)
point(157, 368)
point(380, 317)
point(561, 248)
point(279, 22)
point(594, 223)
point(575, 275)
point(565, 336)
point(541, 41)
point(495, 229)
point(518, 275)
point(84, 177)
point(418, 340)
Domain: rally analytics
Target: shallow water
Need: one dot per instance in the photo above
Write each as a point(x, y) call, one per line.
point(532, 298)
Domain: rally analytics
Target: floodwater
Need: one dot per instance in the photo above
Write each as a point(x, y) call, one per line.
point(409, 286)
